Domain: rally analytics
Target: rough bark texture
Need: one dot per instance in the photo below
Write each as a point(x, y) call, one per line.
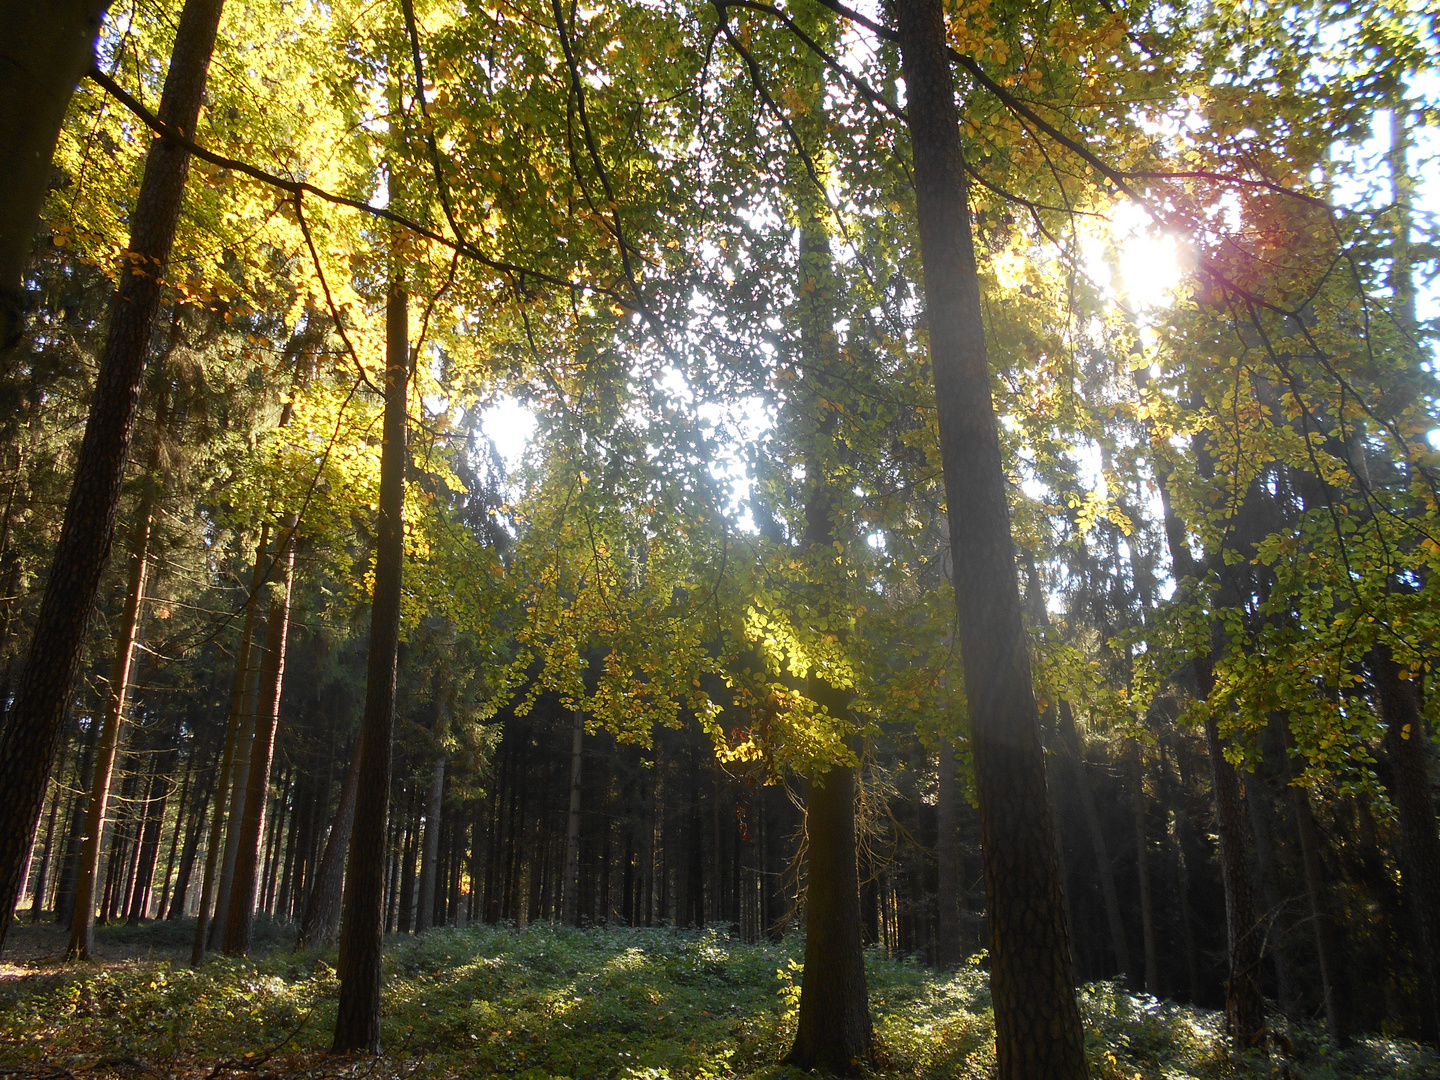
point(28, 749)
point(240, 914)
point(1037, 1022)
point(833, 1031)
point(357, 1022)
point(322, 907)
point(45, 47)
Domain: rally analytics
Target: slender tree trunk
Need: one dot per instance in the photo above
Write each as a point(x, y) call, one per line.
point(225, 770)
point(198, 817)
point(434, 810)
point(82, 923)
point(570, 913)
point(45, 48)
point(357, 1022)
point(947, 859)
point(1142, 862)
point(1037, 1021)
point(1099, 845)
point(37, 901)
point(1327, 948)
point(240, 914)
point(239, 788)
point(1257, 803)
point(1419, 844)
point(322, 906)
point(181, 806)
point(27, 751)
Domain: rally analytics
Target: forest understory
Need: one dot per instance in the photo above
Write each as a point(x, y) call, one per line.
point(621, 1003)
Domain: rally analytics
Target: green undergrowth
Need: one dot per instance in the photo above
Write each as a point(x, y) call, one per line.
point(612, 1004)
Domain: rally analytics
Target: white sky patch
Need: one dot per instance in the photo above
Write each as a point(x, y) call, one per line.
point(510, 425)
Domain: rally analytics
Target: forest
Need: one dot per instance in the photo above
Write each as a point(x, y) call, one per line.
point(681, 539)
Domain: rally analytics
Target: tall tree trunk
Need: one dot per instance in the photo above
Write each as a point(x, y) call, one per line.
point(45, 48)
point(1037, 1022)
point(357, 1022)
point(1142, 863)
point(1257, 802)
point(82, 922)
point(37, 901)
point(240, 915)
point(1244, 1004)
point(322, 906)
point(947, 860)
point(1405, 741)
point(1322, 922)
point(181, 805)
point(1099, 845)
point(198, 817)
point(225, 770)
point(27, 751)
point(571, 881)
point(434, 809)
point(239, 789)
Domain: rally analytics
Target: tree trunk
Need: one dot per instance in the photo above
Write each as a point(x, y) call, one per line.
point(1257, 803)
point(45, 48)
point(1142, 862)
point(1099, 845)
point(37, 900)
point(434, 809)
point(357, 1022)
point(239, 788)
point(1037, 1021)
point(571, 881)
point(1327, 949)
point(82, 922)
point(198, 817)
point(947, 859)
point(833, 1031)
point(240, 914)
point(1419, 845)
point(27, 751)
point(226, 768)
point(181, 805)
point(322, 906)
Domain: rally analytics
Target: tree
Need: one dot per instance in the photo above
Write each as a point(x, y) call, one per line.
point(1037, 1023)
point(30, 739)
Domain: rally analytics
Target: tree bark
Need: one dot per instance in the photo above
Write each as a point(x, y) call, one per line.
point(947, 860)
point(1037, 1021)
point(1099, 845)
point(225, 769)
point(571, 881)
point(46, 46)
point(434, 809)
point(1142, 862)
point(322, 906)
point(1414, 804)
point(82, 921)
point(27, 751)
point(1322, 921)
point(240, 915)
point(357, 1022)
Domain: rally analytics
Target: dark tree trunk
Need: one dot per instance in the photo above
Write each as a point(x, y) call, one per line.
point(198, 817)
point(240, 914)
point(181, 805)
point(1037, 1021)
point(947, 861)
point(37, 902)
point(82, 923)
point(225, 771)
point(833, 1031)
point(1099, 845)
point(1257, 802)
point(434, 808)
point(27, 751)
point(322, 906)
point(570, 881)
point(45, 48)
point(1142, 864)
point(357, 1023)
point(1322, 921)
point(1419, 845)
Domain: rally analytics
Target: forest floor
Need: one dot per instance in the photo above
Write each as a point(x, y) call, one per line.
point(608, 1004)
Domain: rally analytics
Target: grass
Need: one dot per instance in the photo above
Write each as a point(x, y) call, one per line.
point(605, 1004)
